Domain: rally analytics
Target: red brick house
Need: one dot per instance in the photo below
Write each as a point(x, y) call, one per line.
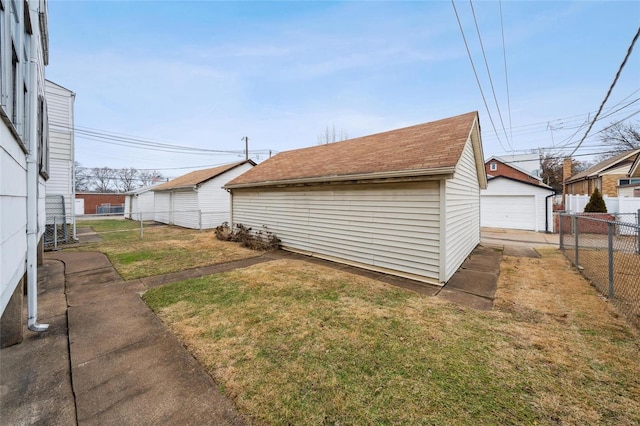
point(495, 167)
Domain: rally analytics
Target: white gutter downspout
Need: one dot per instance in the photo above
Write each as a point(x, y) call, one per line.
point(32, 203)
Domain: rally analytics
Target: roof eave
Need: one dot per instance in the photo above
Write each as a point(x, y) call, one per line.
point(445, 172)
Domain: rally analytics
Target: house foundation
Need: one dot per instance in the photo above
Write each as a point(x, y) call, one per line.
point(11, 326)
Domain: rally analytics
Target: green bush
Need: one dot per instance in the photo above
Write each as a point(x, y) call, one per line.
point(596, 203)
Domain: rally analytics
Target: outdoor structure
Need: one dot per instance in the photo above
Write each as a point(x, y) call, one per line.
point(404, 202)
point(496, 166)
point(139, 204)
point(101, 203)
point(607, 175)
point(60, 188)
point(197, 200)
point(513, 204)
point(24, 160)
point(630, 186)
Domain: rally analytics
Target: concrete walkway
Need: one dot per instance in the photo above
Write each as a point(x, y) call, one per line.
point(107, 359)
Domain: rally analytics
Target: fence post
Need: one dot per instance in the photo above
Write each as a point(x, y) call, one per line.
point(576, 231)
point(561, 236)
point(55, 233)
point(638, 229)
point(610, 250)
point(200, 220)
point(141, 227)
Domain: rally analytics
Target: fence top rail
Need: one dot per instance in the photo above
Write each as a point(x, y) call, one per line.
point(595, 219)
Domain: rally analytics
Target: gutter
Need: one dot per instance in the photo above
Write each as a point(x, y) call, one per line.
point(343, 178)
point(32, 204)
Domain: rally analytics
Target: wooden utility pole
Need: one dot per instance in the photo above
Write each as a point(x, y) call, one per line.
point(246, 147)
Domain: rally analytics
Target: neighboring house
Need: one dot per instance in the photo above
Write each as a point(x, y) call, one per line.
point(60, 188)
point(529, 163)
point(404, 202)
point(496, 166)
point(514, 204)
point(607, 175)
point(24, 160)
point(630, 186)
point(139, 204)
point(197, 200)
point(101, 202)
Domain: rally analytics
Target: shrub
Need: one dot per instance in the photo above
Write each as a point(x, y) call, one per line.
point(596, 203)
point(261, 240)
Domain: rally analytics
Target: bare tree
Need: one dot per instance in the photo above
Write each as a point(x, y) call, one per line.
point(620, 137)
point(126, 179)
point(552, 169)
point(102, 178)
point(330, 135)
point(149, 177)
point(82, 178)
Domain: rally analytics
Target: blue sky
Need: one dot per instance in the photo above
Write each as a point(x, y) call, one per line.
point(205, 74)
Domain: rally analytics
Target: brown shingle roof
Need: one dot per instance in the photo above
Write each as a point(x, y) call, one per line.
point(603, 165)
point(431, 146)
point(197, 177)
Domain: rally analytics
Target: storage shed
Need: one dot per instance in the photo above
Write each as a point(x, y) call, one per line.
point(139, 204)
point(513, 204)
point(404, 202)
point(197, 200)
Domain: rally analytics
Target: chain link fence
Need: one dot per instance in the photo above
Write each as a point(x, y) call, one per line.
point(607, 252)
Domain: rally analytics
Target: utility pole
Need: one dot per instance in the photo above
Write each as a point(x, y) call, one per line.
point(246, 147)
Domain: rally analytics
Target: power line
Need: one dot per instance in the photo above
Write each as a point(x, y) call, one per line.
point(486, 63)
point(506, 75)
point(476, 73)
point(615, 80)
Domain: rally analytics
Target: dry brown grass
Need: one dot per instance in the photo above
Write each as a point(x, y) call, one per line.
point(295, 343)
point(163, 249)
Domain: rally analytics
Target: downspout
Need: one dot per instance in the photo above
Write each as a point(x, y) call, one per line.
point(32, 200)
point(546, 212)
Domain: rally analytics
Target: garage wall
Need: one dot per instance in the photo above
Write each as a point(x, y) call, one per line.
point(162, 207)
point(514, 205)
point(215, 201)
point(462, 212)
point(381, 227)
point(185, 209)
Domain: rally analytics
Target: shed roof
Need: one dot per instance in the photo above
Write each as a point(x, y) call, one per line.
point(199, 176)
point(627, 156)
point(425, 149)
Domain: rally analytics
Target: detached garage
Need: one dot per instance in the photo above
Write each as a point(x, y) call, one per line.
point(514, 204)
point(405, 202)
point(197, 200)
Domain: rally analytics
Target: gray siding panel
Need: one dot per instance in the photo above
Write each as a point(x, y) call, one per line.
point(462, 212)
point(185, 209)
point(384, 227)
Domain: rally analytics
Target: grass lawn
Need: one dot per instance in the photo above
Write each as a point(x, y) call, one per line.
point(163, 249)
point(296, 343)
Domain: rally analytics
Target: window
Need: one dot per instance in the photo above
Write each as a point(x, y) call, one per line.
point(493, 167)
point(43, 138)
point(628, 181)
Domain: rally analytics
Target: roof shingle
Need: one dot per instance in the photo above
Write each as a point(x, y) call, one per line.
point(603, 165)
point(197, 177)
point(423, 147)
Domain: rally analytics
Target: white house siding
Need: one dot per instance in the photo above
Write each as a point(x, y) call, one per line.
point(163, 207)
point(214, 201)
point(13, 213)
point(385, 227)
point(462, 213)
point(61, 151)
point(515, 205)
point(185, 209)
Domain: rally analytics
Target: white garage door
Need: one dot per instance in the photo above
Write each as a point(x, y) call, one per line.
point(511, 212)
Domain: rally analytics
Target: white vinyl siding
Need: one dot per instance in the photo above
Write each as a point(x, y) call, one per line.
point(162, 207)
point(515, 205)
point(61, 150)
point(462, 217)
point(185, 209)
point(214, 200)
point(13, 213)
point(385, 227)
